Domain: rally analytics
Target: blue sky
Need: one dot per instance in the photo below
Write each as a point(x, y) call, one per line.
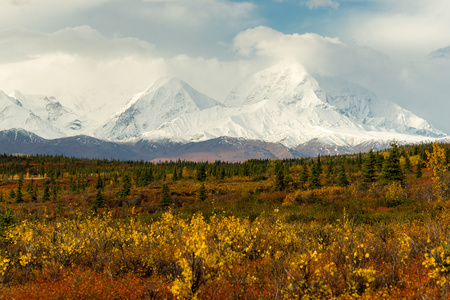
point(111, 48)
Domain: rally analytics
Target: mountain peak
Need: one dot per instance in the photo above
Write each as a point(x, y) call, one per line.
point(286, 83)
point(166, 100)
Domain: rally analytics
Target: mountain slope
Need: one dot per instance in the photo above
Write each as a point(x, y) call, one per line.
point(166, 100)
point(284, 104)
point(14, 114)
point(50, 110)
point(19, 141)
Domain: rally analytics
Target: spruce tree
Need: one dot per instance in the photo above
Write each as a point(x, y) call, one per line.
point(419, 169)
point(407, 163)
point(392, 170)
point(99, 183)
point(314, 178)
point(222, 174)
point(126, 186)
point(329, 174)
point(166, 199)
point(201, 193)
point(46, 196)
point(319, 165)
point(304, 175)
point(12, 194)
point(342, 179)
point(280, 184)
point(30, 187)
point(98, 202)
point(201, 173)
point(19, 195)
point(369, 168)
point(34, 193)
point(380, 162)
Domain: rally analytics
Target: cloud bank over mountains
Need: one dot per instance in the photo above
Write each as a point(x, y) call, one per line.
point(96, 53)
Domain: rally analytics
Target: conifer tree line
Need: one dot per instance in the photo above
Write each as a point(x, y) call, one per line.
point(381, 167)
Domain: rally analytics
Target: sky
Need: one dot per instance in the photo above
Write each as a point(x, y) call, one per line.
point(95, 52)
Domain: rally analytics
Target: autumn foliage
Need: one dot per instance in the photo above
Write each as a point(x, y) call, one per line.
point(254, 230)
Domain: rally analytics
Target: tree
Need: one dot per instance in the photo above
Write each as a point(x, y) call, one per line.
point(369, 168)
point(46, 196)
point(407, 163)
point(99, 183)
point(342, 179)
point(419, 169)
point(166, 199)
point(6, 220)
point(314, 178)
point(126, 186)
point(98, 202)
point(12, 194)
point(437, 163)
point(280, 184)
point(34, 193)
point(329, 174)
point(380, 162)
point(202, 193)
point(30, 187)
point(201, 173)
point(319, 165)
point(304, 175)
point(222, 174)
point(19, 195)
point(392, 170)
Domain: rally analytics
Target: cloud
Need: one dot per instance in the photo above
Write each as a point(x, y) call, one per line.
point(198, 13)
point(194, 25)
point(321, 55)
point(402, 27)
point(420, 86)
point(81, 41)
point(312, 4)
point(37, 13)
point(79, 65)
point(83, 66)
point(442, 53)
point(86, 69)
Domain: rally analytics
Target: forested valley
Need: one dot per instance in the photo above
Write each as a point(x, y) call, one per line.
point(362, 226)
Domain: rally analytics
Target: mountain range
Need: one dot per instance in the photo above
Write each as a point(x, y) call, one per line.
point(282, 111)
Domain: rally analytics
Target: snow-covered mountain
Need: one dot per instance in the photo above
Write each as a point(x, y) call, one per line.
point(166, 100)
point(285, 104)
point(44, 116)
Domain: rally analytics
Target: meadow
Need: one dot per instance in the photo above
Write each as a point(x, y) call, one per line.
point(363, 226)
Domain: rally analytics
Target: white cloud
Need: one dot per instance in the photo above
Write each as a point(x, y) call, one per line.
point(85, 65)
point(79, 65)
point(197, 13)
point(81, 41)
point(408, 28)
point(37, 13)
point(312, 4)
point(82, 67)
point(321, 55)
point(420, 86)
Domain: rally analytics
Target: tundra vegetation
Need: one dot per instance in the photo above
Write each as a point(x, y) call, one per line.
point(361, 226)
